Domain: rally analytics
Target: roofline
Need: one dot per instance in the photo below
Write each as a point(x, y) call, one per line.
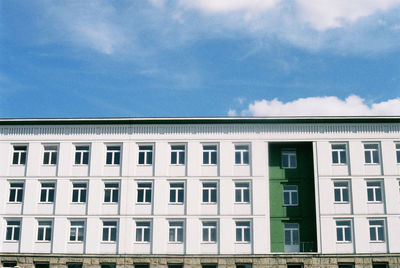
point(199, 120)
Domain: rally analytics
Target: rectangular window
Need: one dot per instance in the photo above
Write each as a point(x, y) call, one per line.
point(295, 265)
point(377, 230)
point(374, 191)
point(343, 231)
point(209, 154)
point(339, 154)
point(74, 265)
point(144, 193)
point(176, 231)
point(241, 154)
point(81, 155)
point(176, 192)
point(77, 231)
point(145, 154)
point(244, 265)
point(292, 236)
point(209, 192)
point(44, 230)
point(16, 192)
point(108, 265)
point(143, 231)
point(109, 231)
point(47, 192)
point(242, 192)
point(19, 154)
point(111, 192)
point(209, 231)
point(13, 230)
point(143, 265)
point(341, 191)
point(289, 159)
point(175, 265)
point(79, 192)
point(290, 195)
point(9, 263)
point(42, 265)
point(346, 265)
point(243, 231)
point(177, 154)
point(371, 153)
point(209, 266)
point(113, 155)
point(380, 265)
point(398, 153)
point(50, 155)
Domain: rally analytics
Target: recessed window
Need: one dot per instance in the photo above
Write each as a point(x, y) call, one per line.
point(290, 195)
point(343, 231)
point(341, 191)
point(109, 231)
point(9, 263)
point(176, 231)
point(209, 266)
point(108, 265)
point(177, 154)
point(19, 154)
point(175, 265)
point(111, 192)
point(292, 234)
point(44, 230)
point(243, 231)
point(244, 265)
point(16, 192)
point(295, 265)
point(79, 192)
point(81, 155)
point(113, 155)
point(209, 192)
point(241, 154)
point(145, 155)
point(209, 154)
point(374, 191)
point(42, 265)
point(209, 231)
point(346, 265)
point(144, 193)
point(398, 153)
point(339, 154)
point(380, 265)
point(77, 231)
point(47, 192)
point(50, 155)
point(289, 159)
point(377, 230)
point(371, 153)
point(242, 192)
point(143, 265)
point(13, 230)
point(176, 192)
point(74, 265)
point(143, 231)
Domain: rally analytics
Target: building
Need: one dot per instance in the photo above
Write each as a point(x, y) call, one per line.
point(200, 192)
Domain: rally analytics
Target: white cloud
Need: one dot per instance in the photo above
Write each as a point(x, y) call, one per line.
point(232, 112)
point(322, 106)
point(224, 6)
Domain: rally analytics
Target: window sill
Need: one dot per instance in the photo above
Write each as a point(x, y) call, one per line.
point(144, 165)
point(209, 243)
point(372, 164)
point(209, 165)
point(344, 242)
point(49, 165)
point(241, 165)
point(75, 242)
point(339, 164)
point(377, 242)
point(43, 242)
point(108, 242)
point(77, 203)
point(374, 202)
point(110, 203)
point(80, 165)
point(175, 243)
point(341, 203)
point(142, 242)
point(176, 204)
point(112, 165)
point(14, 203)
point(290, 205)
point(177, 165)
point(242, 203)
point(11, 241)
point(289, 167)
point(143, 203)
point(243, 242)
point(208, 203)
point(46, 203)
point(17, 165)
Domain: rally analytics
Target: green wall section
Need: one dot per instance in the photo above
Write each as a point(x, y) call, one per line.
point(304, 213)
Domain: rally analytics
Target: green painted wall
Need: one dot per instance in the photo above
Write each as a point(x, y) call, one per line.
point(303, 177)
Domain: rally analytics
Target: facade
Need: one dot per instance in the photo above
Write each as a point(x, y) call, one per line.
point(200, 192)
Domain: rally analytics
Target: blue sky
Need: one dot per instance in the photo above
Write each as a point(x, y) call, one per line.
point(199, 58)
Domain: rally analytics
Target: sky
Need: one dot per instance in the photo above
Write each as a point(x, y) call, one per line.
point(175, 58)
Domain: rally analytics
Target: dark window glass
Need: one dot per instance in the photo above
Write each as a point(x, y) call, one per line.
point(142, 266)
point(295, 266)
point(209, 265)
point(42, 265)
point(9, 263)
point(243, 265)
point(175, 265)
point(108, 265)
point(345, 265)
point(109, 158)
point(380, 265)
point(74, 265)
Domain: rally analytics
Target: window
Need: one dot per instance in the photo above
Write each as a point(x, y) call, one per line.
point(109, 231)
point(209, 192)
point(292, 236)
point(371, 153)
point(19, 155)
point(113, 156)
point(377, 230)
point(241, 154)
point(244, 265)
point(290, 195)
point(74, 265)
point(81, 155)
point(209, 154)
point(209, 231)
point(177, 154)
point(346, 265)
point(47, 192)
point(374, 191)
point(398, 153)
point(111, 192)
point(9, 263)
point(16, 192)
point(242, 192)
point(343, 231)
point(243, 231)
point(176, 192)
point(339, 154)
point(175, 265)
point(77, 231)
point(295, 265)
point(145, 154)
point(176, 231)
point(209, 266)
point(42, 265)
point(50, 155)
point(108, 265)
point(144, 193)
point(79, 191)
point(13, 230)
point(141, 266)
point(341, 191)
point(289, 159)
point(380, 265)
point(142, 231)
point(44, 230)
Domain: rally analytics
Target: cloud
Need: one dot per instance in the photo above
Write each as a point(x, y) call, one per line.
point(322, 106)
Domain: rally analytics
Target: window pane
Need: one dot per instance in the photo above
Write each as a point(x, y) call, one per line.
point(180, 235)
point(245, 157)
point(237, 157)
point(378, 193)
point(295, 237)
point(83, 196)
point(214, 234)
point(115, 195)
point(171, 234)
point(367, 157)
point(343, 157)
point(372, 234)
point(182, 158)
point(48, 234)
point(381, 236)
point(339, 234)
point(140, 195)
point(375, 156)
point(85, 158)
point(205, 195)
point(12, 195)
point(51, 195)
point(109, 158)
point(46, 158)
point(114, 234)
point(205, 234)
point(205, 157)
point(247, 234)
point(214, 195)
point(15, 158)
point(148, 196)
point(294, 198)
point(286, 198)
point(288, 238)
point(238, 234)
point(172, 196)
point(238, 197)
point(147, 235)
point(117, 156)
point(173, 158)
point(345, 195)
point(370, 195)
point(214, 158)
point(335, 159)
point(246, 195)
point(40, 234)
point(347, 234)
point(141, 158)
point(139, 234)
point(180, 196)
point(54, 158)
point(149, 158)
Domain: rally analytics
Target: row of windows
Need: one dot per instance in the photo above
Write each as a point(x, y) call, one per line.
point(142, 231)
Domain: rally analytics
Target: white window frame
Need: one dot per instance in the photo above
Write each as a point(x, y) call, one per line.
point(370, 152)
point(177, 227)
point(291, 230)
point(208, 228)
point(376, 228)
point(341, 226)
point(18, 192)
point(20, 155)
point(178, 153)
point(242, 155)
point(111, 226)
point(242, 189)
point(14, 228)
point(48, 191)
point(77, 226)
point(374, 189)
point(207, 154)
point(52, 151)
point(291, 193)
point(81, 154)
point(397, 150)
point(79, 189)
point(44, 226)
point(148, 154)
point(342, 191)
point(114, 153)
point(146, 190)
point(243, 226)
point(208, 188)
point(175, 188)
point(289, 153)
point(111, 189)
point(141, 226)
point(340, 154)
